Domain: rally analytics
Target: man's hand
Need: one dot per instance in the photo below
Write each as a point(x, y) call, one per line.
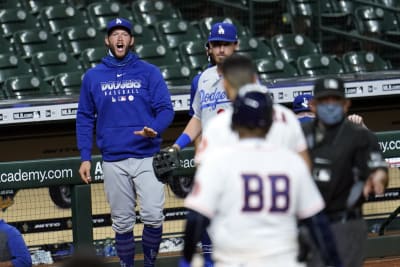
point(146, 132)
point(84, 171)
point(356, 119)
point(177, 147)
point(376, 183)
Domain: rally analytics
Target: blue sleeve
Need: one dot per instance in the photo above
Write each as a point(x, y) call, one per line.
point(161, 102)
point(85, 121)
point(320, 230)
point(193, 89)
point(18, 249)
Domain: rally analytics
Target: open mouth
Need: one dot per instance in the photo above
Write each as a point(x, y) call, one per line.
point(120, 47)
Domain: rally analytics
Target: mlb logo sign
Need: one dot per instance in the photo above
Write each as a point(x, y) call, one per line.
point(122, 98)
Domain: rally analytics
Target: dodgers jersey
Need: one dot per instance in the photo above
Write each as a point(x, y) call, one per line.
point(254, 192)
point(285, 131)
point(210, 98)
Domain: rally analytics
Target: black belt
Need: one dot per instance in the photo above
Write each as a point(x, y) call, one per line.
point(345, 215)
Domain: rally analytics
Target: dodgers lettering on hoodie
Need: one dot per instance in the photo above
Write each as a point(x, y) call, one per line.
point(120, 97)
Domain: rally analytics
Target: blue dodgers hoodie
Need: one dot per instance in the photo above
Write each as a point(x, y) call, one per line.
point(120, 97)
point(13, 247)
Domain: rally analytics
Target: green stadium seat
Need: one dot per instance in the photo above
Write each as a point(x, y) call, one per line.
point(78, 38)
point(12, 65)
point(389, 3)
point(6, 45)
point(143, 34)
point(57, 17)
point(205, 25)
point(16, 19)
point(3, 94)
point(191, 10)
point(149, 12)
point(34, 6)
point(253, 47)
point(48, 64)
point(274, 68)
point(303, 16)
point(68, 83)
point(5, 4)
point(28, 42)
point(319, 64)
point(193, 54)
point(363, 61)
point(176, 75)
point(26, 86)
point(157, 54)
point(101, 12)
point(374, 21)
point(290, 46)
point(173, 32)
point(90, 57)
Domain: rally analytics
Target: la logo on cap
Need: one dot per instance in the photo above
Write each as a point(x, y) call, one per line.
point(305, 102)
point(118, 21)
point(221, 30)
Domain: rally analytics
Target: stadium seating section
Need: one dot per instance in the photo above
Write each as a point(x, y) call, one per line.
point(48, 44)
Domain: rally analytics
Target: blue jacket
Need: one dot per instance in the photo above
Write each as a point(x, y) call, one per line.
point(120, 97)
point(14, 245)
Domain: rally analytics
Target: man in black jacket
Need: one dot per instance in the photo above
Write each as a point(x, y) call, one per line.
point(347, 165)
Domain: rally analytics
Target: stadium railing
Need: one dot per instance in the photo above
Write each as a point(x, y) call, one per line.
point(82, 219)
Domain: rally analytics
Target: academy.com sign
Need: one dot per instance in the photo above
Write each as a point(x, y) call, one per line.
point(389, 143)
point(35, 176)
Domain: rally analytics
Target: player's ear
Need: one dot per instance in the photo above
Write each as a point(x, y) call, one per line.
point(132, 42)
point(236, 45)
point(106, 41)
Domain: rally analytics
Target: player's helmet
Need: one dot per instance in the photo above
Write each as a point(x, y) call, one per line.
point(253, 109)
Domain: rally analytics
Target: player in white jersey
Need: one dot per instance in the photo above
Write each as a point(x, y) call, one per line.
point(250, 198)
point(285, 131)
point(210, 98)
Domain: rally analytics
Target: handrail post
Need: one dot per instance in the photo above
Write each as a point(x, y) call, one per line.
point(82, 223)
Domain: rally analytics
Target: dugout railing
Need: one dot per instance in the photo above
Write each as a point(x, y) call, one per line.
point(15, 175)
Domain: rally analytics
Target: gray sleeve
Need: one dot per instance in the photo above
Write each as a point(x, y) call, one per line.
point(196, 105)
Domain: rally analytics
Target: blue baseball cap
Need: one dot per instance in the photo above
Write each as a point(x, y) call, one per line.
point(301, 103)
point(223, 31)
point(119, 23)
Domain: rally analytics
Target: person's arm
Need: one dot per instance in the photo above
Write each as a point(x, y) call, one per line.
point(190, 133)
point(160, 103)
point(18, 250)
point(378, 179)
point(320, 231)
point(85, 120)
point(196, 224)
point(193, 128)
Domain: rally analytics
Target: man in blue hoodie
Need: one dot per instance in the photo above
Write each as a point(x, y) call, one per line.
point(128, 102)
point(13, 250)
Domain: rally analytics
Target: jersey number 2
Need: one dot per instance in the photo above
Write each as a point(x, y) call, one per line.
point(254, 193)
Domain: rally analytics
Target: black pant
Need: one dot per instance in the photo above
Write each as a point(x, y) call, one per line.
point(351, 238)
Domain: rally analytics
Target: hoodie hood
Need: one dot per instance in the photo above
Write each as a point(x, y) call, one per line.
point(113, 62)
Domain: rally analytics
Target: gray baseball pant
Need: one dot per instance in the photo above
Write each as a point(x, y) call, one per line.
point(124, 181)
